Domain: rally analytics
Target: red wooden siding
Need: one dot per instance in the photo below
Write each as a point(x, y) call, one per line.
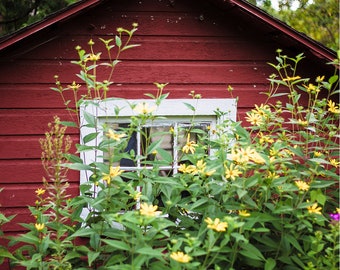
point(193, 45)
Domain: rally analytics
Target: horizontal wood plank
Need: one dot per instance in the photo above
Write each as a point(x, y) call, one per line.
point(143, 72)
point(175, 23)
point(24, 147)
point(21, 195)
point(27, 171)
point(160, 48)
point(38, 96)
point(30, 122)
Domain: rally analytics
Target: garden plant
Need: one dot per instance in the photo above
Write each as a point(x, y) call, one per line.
point(262, 194)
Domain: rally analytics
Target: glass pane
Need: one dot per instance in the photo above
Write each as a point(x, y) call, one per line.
point(170, 142)
point(198, 130)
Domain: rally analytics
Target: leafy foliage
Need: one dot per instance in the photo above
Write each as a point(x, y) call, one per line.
point(264, 197)
point(20, 13)
point(319, 19)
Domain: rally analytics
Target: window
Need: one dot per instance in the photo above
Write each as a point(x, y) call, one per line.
point(177, 114)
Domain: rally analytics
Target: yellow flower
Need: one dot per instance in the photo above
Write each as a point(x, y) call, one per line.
point(216, 225)
point(302, 122)
point(114, 172)
point(190, 169)
point(144, 108)
point(74, 86)
point(317, 154)
point(334, 163)
point(338, 210)
point(311, 88)
point(232, 172)
point(189, 146)
point(244, 213)
point(201, 165)
point(314, 209)
point(257, 158)
point(272, 175)
point(332, 108)
point(181, 257)
point(149, 210)
point(291, 78)
point(40, 191)
point(93, 57)
point(254, 119)
point(210, 173)
point(241, 155)
point(114, 136)
point(302, 185)
point(136, 195)
point(320, 78)
point(265, 138)
point(39, 226)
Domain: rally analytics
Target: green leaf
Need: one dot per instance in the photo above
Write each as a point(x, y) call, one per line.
point(239, 237)
point(56, 89)
point(130, 46)
point(82, 232)
point(77, 166)
point(153, 146)
point(150, 95)
point(294, 242)
point(333, 79)
point(90, 137)
point(117, 244)
point(83, 148)
point(91, 256)
point(189, 106)
point(150, 251)
point(317, 195)
point(69, 123)
point(165, 155)
point(29, 238)
point(118, 41)
point(73, 158)
point(241, 193)
point(4, 253)
point(270, 264)
point(321, 184)
point(198, 203)
point(252, 252)
point(90, 119)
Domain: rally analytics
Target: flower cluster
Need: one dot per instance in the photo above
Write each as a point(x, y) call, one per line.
point(199, 168)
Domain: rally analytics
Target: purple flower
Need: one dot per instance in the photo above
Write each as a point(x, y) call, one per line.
point(335, 216)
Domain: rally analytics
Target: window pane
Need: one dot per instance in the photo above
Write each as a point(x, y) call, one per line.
point(170, 143)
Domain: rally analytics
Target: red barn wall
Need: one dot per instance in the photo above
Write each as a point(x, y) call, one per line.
point(192, 44)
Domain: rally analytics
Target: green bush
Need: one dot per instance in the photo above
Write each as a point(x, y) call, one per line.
point(257, 196)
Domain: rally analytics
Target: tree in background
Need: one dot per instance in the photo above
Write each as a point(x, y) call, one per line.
point(15, 14)
point(318, 19)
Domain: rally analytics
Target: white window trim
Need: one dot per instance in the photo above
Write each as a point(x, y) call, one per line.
point(102, 110)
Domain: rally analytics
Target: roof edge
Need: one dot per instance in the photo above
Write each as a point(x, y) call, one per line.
point(48, 21)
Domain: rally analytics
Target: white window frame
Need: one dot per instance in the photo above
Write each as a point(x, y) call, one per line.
point(172, 108)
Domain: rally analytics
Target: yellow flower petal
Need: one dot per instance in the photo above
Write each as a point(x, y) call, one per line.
point(181, 257)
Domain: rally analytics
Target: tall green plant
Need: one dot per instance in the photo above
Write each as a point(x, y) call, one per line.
point(259, 196)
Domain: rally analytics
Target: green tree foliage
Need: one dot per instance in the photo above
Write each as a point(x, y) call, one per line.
point(15, 14)
point(318, 19)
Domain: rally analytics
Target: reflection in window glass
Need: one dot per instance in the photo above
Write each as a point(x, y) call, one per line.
point(172, 137)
